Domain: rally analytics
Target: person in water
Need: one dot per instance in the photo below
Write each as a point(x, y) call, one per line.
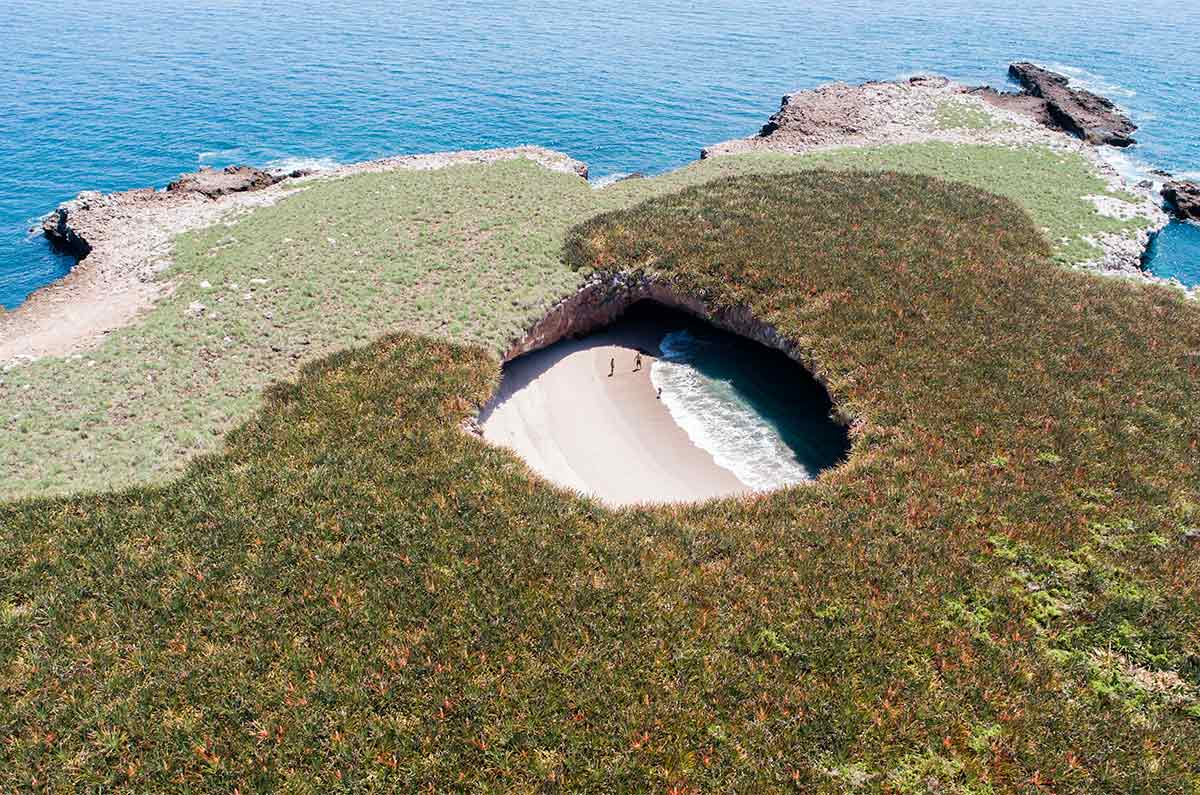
point(637, 362)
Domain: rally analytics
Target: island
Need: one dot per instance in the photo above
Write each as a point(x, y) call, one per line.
point(255, 538)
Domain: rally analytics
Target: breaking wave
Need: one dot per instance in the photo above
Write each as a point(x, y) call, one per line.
point(718, 419)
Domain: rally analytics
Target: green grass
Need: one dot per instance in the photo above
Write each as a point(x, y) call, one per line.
point(952, 115)
point(995, 594)
point(469, 254)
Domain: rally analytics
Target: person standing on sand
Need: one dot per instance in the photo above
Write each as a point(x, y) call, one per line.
point(659, 395)
point(612, 366)
point(637, 362)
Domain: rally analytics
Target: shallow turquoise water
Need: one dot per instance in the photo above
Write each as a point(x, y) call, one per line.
point(1175, 251)
point(114, 94)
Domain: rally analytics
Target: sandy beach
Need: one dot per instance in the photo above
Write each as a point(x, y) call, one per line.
point(607, 436)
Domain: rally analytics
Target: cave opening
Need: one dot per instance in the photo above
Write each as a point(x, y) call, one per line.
point(659, 406)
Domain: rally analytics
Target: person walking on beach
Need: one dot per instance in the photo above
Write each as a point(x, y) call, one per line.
point(612, 366)
point(659, 395)
point(637, 362)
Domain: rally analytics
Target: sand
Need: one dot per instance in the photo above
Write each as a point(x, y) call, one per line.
point(605, 436)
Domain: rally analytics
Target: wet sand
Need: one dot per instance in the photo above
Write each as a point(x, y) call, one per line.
point(606, 436)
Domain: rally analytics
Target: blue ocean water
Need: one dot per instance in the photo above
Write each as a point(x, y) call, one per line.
point(114, 94)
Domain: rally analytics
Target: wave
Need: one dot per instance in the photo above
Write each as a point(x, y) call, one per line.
point(289, 164)
point(1097, 84)
point(1132, 169)
point(225, 156)
point(240, 155)
point(609, 179)
point(719, 421)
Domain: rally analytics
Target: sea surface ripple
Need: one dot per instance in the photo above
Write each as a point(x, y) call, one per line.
point(115, 94)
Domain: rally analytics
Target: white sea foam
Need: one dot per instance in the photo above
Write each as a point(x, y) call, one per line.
point(719, 421)
point(290, 164)
point(223, 156)
point(608, 179)
point(1132, 169)
point(1090, 81)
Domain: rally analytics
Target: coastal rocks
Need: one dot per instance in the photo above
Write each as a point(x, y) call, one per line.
point(829, 115)
point(62, 236)
point(231, 179)
point(922, 110)
point(1184, 197)
point(1090, 116)
point(884, 114)
point(127, 238)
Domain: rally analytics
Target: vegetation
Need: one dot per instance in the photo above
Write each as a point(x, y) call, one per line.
point(468, 254)
point(951, 115)
point(998, 592)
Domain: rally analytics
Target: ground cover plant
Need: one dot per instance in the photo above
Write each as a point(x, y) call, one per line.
point(957, 115)
point(469, 254)
point(996, 593)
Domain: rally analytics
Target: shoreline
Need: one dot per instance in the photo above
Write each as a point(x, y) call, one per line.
point(841, 115)
point(129, 236)
point(130, 233)
point(608, 437)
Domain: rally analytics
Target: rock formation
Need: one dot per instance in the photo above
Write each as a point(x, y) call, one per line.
point(1184, 197)
point(232, 179)
point(1090, 116)
point(62, 236)
point(607, 296)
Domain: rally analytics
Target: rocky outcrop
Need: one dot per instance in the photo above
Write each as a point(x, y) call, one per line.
point(838, 114)
point(1184, 197)
point(231, 179)
point(62, 236)
point(1090, 116)
point(906, 111)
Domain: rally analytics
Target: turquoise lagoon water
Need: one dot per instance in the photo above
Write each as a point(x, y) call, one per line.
point(114, 94)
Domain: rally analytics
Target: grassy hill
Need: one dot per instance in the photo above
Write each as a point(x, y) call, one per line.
point(998, 592)
point(467, 254)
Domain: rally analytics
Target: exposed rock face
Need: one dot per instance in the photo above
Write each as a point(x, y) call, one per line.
point(1184, 197)
point(232, 179)
point(839, 112)
point(1090, 116)
point(882, 114)
point(62, 236)
point(605, 297)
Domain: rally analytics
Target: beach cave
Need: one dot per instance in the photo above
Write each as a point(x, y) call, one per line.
point(634, 394)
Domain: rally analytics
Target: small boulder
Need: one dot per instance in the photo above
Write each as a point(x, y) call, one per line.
point(58, 231)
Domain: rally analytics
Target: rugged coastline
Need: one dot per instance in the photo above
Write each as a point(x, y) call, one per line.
point(123, 241)
point(122, 371)
point(932, 108)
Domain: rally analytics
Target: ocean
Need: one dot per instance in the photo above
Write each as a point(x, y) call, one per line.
point(115, 94)
point(759, 414)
